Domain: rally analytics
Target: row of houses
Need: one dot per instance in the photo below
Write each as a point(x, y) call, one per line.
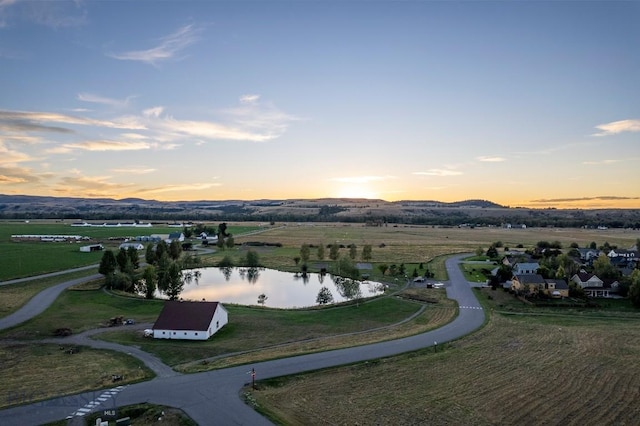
point(589, 283)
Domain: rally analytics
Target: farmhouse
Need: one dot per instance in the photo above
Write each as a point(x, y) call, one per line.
point(190, 320)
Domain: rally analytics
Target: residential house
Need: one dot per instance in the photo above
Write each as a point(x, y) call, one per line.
point(594, 286)
point(187, 320)
point(137, 246)
point(522, 268)
point(587, 255)
point(527, 283)
point(536, 284)
point(627, 254)
point(556, 288)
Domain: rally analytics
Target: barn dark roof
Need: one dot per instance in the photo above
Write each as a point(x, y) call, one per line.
point(183, 315)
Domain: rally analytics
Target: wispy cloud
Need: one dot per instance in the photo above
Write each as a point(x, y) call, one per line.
point(92, 186)
point(579, 199)
point(105, 146)
point(38, 121)
point(17, 175)
point(53, 14)
point(168, 48)
point(93, 98)
point(134, 171)
point(616, 127)
point(181, 188)
point(9, 156)
point(600, 163)
point(439, 172)
point(491, 159)
point(361, 179)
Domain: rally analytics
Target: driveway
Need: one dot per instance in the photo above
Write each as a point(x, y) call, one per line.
point(212, 398)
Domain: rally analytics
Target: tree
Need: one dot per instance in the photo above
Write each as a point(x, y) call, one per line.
point(603, 268)
point(163, 272)
point(161, 248)
point(383, 268)
point(252, 259)
point(304, 253)
point(353, 251)
point(492, 252)
point(175, 249)
point(324, 296)
point(346, 268)
point(334, 251)
point(634, 288)
point(150, 254)
point(262, 299)
point(479, 251)
point(122, 258)
point(175, 281)
point(321, 252)
point(108, 263)
point(366, 252)
point(230, 242)
point(222, 231)
point(593, 245)
point(149, 278)
point(134, 257)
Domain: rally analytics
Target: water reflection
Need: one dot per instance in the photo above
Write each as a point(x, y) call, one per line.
point(276, 289)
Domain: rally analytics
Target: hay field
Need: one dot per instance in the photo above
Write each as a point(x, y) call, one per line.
point(515, 371)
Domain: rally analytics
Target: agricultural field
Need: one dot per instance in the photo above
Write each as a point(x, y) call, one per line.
point(22, 258)
point(516, 370)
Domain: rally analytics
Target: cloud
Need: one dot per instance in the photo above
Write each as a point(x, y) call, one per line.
point(439, 172)
point(91, 186)
point(107, 146)
point(153, 112)
point(181, 188)
point(8, 156)
point(601, 162)
point(169, 47)
point(17, 175)
point(33, 121)
point(53, 14)
point(134, 171)
point(249, 99)
point(616, 127)
point(573, 200)
point(263, 120)
point(90, 97)
point(361, 179)
point(491, 159)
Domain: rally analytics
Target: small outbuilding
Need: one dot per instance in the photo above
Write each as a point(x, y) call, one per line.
point(190, 320)
point(91, 248)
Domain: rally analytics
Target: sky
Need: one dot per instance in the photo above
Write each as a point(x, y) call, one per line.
point(523, 103)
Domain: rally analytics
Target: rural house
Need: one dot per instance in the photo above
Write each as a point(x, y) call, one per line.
point(536, 284)
point(189, 320)
point(526, 268)
point(594, 286)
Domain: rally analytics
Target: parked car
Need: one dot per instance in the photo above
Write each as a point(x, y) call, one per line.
point(129, 322)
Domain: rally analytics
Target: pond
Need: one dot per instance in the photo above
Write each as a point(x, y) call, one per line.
point(245, 286)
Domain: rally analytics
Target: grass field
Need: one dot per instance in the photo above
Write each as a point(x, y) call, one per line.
point(426, 386)
point(28, 258)
point(39, 371)
point(516, 370)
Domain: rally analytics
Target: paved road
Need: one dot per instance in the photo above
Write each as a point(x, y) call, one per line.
point(212, 398)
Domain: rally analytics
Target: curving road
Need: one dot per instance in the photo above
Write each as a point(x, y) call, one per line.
point(212, 398)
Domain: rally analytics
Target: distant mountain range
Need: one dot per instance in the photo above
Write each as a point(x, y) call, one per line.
point(374, 212)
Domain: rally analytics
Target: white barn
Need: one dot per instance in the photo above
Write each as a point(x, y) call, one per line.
point(190, 320)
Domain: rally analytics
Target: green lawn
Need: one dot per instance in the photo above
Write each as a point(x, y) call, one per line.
point(254, 328)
